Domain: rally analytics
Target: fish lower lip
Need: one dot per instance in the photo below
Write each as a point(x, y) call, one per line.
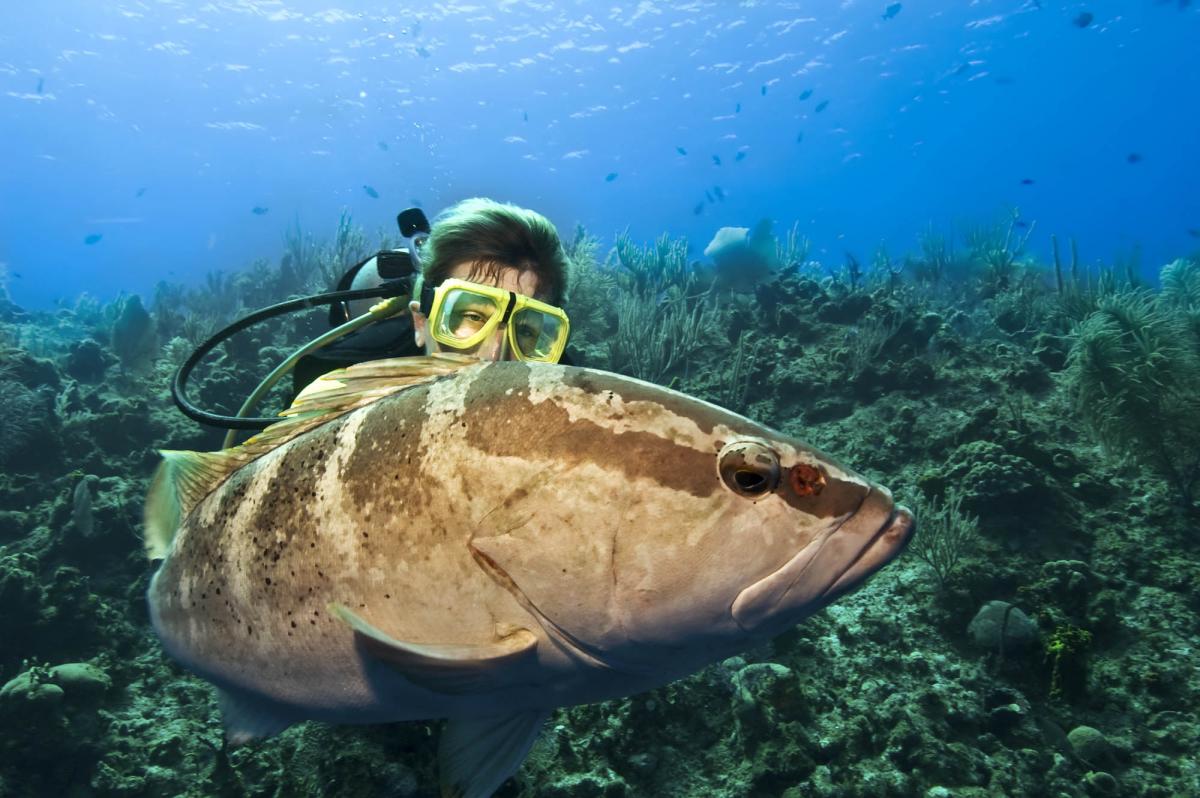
point(891, 538)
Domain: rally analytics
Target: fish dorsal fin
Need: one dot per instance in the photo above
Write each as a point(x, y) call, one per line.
point(451, 669)
point(477, 755)
point(184, 478)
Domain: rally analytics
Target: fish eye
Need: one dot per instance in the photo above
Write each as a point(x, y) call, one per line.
point(748, 468)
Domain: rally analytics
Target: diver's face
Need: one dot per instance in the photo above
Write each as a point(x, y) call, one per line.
point(494, 347)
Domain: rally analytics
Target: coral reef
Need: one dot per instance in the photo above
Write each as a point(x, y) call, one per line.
point(1048, 649)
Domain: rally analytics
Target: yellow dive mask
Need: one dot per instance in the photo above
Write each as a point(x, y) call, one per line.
point(465, 314)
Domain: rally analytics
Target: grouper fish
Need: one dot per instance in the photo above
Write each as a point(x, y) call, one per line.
point(441, 537)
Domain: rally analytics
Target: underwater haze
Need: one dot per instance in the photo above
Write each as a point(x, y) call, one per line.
point(145, 140)
point(953, 245)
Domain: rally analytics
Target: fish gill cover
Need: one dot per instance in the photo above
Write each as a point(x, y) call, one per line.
point(955, 247)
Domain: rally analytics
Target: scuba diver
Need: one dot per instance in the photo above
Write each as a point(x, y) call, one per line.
point(487, 279)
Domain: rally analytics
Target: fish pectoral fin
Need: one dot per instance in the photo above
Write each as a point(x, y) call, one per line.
point(248, 717)
point(477, 755)
point(451, 669)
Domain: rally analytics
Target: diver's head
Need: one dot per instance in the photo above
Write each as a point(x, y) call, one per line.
point(501, 246)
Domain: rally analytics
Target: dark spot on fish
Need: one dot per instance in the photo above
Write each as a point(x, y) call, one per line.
point(259, 210)
point(1084, 19)
point(371, 192)
point(804, 95)
point(716, 160)
point(1028, 181)
point(821, 106)
point(293, 624)
point(94, 238)
point(611, 176)
point(740, 156)
point(681, 150)
point(268, 581)
point(249, 630)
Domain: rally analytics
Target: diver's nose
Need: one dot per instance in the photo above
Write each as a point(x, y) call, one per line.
point(496, 347)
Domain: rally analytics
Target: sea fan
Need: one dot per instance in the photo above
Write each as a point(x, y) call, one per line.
point(1135, 373)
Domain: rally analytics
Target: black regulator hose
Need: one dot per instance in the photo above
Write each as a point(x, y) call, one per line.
point(179, 383)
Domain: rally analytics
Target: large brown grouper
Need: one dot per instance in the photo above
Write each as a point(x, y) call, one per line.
point(443, 538)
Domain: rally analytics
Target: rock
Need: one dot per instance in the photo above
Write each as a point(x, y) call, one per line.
point(29, 689)
point(1089, 744)
point(999, 627)
point(1097, 782)
point(81, 680)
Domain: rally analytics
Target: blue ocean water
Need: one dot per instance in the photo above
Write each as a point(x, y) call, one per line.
point(154, 129)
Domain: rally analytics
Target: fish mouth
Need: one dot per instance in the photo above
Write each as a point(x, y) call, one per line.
point(881, 548)
point(827, 568)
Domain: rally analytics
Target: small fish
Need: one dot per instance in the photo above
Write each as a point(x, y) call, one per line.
point(611, 176)
point(259, 210)
point(737, 109)
point(681, 150)
point(763, 90)
point(94, 238)
point(383, 146)
point(821, 106)
point(416, 203)
point(740, 156)
point(699, 209)
point(891, 11)
point(800, 137)
point(1133, 157)
point(1021, 223)
point(708, 195)
point(804, 95)
point(720, 192)
point(18, 275)
point(41, 85)
point(423, 52)
point(140, 192)
point(1083, 20)
point(716, 160)
point(524, 116)
point(1028, 181)
point(370, 192)
point(1194, 232)
point(1005, 80)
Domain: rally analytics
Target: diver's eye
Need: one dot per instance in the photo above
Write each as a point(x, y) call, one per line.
point(748, 468)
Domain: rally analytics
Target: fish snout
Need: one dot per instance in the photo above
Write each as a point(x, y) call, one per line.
point(828, 567)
